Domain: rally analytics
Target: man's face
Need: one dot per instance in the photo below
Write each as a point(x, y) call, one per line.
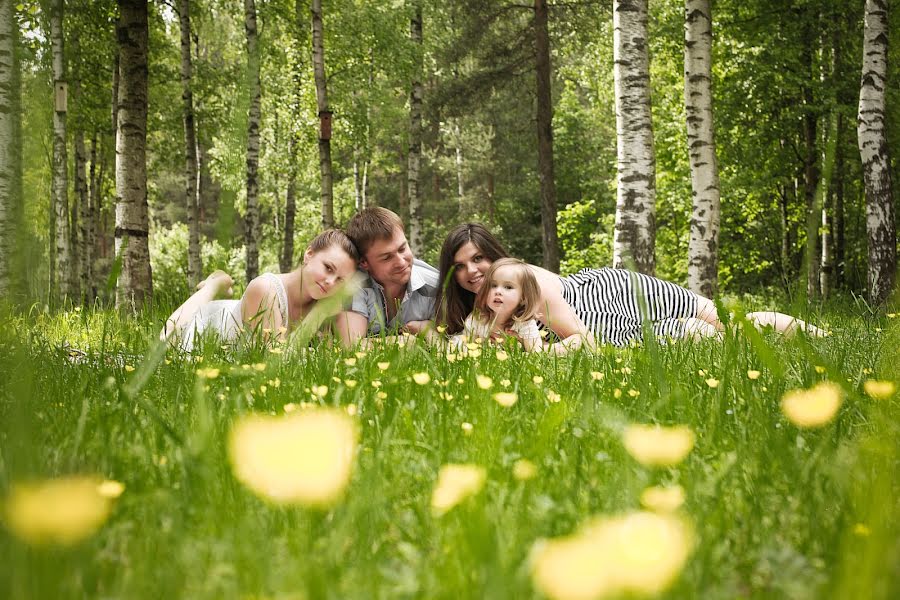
point(389, 261)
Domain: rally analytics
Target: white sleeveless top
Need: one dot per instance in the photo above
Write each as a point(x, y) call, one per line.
point(224, 316)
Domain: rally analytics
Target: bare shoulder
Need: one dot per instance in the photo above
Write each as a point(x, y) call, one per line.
point(259, 295)
point(548, 281)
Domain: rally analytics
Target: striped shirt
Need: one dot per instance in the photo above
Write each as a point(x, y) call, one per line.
point(613, 303)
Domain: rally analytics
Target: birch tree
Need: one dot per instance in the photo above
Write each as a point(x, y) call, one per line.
point(414, 157)
point(873, 149)
point(61, 276)
point(135, 286)
point(703, 247)
point(191, 171)
point(318, 53)
point(635, 223)
point(10, 142)
point(549, 238)
point(253, 119)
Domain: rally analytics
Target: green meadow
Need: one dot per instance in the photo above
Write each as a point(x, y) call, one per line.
point(776, 511)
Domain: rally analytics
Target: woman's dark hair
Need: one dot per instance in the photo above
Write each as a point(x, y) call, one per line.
point(453, 304)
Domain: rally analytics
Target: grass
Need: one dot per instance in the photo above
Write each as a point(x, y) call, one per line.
point(778, 511)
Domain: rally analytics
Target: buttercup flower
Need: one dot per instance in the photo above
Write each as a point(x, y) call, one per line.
point(751, 374)
point(350, 362)
point(421, 378)
point(653, 445)
point(596, 375)
point(663, 499)
point(712, 382)
point(467, 428)
point(484, 382)
point(456, 483)
point(524, 469)
point(109, 488)
point(60, 511)
point(537, 379)
point(553, 397)
point(320, 390)
point(814, 407)
point(506, 399)
point(501, 355)
point(208, 373)
point(384, 366)
point(300, 458)
point(880, 390)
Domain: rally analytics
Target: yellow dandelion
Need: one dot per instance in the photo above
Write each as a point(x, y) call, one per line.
point(441, 328)
point(421, 378)
point(352, 410)
point(617, 393)
point(751, 374)
point(505, 382)
point(276, 383)
point(596, 375)
point(129, 368)
point(653, 445)
point(304, 458)
point(455, 483)
point(320, 390)
point(820, 369)
point(467, 428)
point(634, 393)
point(537, 379)
point(553, 397)
point(524, 469)
point(506, 399)
point(473, 345)
point(570, 568)
point(880, 390)
point(663, 499)
point(350, 383)
point(814, 407)
point(445, 396)
point(350, 362)
point(384, 366)
point(501, 355)
point(476, 353)
point(263, 389)
point(892, 315)
point(381, 395)
point(460, 380)
point(60, 511)
point(207, 373)
point(712, 382)
point(375, 384)
point(484, 382)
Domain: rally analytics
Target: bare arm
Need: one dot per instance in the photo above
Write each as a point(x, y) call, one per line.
point(259, 308)
point(351, 327)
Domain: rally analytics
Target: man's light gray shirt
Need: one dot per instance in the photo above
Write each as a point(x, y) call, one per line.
point(417, 304)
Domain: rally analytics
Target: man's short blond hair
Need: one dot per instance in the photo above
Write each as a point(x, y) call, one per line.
point(371, 225)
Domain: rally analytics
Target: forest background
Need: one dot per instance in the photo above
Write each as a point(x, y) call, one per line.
point(785, 78)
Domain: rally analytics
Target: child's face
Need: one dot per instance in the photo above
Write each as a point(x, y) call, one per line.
point(505, 294)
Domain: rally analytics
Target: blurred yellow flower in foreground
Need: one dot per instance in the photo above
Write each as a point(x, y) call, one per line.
point(636, 553)
point(208, 373)
point(61, 511)
point(303, 458)
point(537, 379)
point(501, 355)
point(596, 375)
point(456, 483)
point(109, 488)
point(421, 378)
point(506, 399)
point(524, 469)
point(484, 382)
point(383, 366)
point(751, 374)
point(880, 390)
point(320, 390)
point(712, 382)
point(814, 407)
point(663, 499)
point(653, 445)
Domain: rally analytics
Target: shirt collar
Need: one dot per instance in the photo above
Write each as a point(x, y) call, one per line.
point(415, 283)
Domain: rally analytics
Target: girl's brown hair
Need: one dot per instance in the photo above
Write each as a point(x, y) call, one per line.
point(530, 301)
point(453, 303)
point(334, 237)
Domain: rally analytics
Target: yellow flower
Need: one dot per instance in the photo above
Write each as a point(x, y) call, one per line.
point(506, 399)
point(60, 511)
point(352, 410)
point(208, 373)
point(653, 445)
point(303, 458)
point(862, 530)
point(259, 367)
point(814, 407)
point(451, 357)
point(820, 369)
point(109, 488)
point(570, 568)
point(421, 378)
point(381, 395)
point(350, 362)
point(290, 407)
point(712, 382)
point(460, 380)
point(501, 355)
point(867, 371)
point(467, 428)
point(537, 379)
point(634, 393)
point(384, 366)
point(474, 353)
point(524, 469)
point(350, 383)
point(276, 350)
point(360, 354)
point(275, 382)
point(320, 390)
point(456, 483)
point(880, 390)
point(702, 372)
point(484, 382)
point(445, 396)
point(376, 384)
point(596, 375)
point(663, 499)
point(441, 328)
point(129, 368)
point(617, 393)
point(263, 389)
point(553, 397)
point(505, 382)
point(751, 374)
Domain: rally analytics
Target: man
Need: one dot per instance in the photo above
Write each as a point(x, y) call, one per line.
point(399, 292)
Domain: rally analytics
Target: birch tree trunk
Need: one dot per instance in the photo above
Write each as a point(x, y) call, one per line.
point(89, 213)
point(252, 213)
point(414, 157)
point(635, 229)
point(324, 114)
point(61, 276)
point(838, 209)
point(821, 206)
point(135, 286)
point(10, 144)
point(703, 247)
point(811, 175)
point(873, 149)
point(549, 238)
point(79, 214)
point(191, 171)
point(290, 210)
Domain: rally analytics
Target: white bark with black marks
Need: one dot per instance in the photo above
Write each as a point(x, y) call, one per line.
point(635, 227)
point(191, 171)
point(135, 286)
point(873, 149)
point(703, 247)
point(10, 143)
point(62, 264)
point(318, 52)
point(414, 156)
point(251, 218)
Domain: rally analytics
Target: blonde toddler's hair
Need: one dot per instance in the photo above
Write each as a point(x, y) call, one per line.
point(529, 303)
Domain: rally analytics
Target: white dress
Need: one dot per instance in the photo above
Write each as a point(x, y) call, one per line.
point(224, 317)
point(474, 328)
